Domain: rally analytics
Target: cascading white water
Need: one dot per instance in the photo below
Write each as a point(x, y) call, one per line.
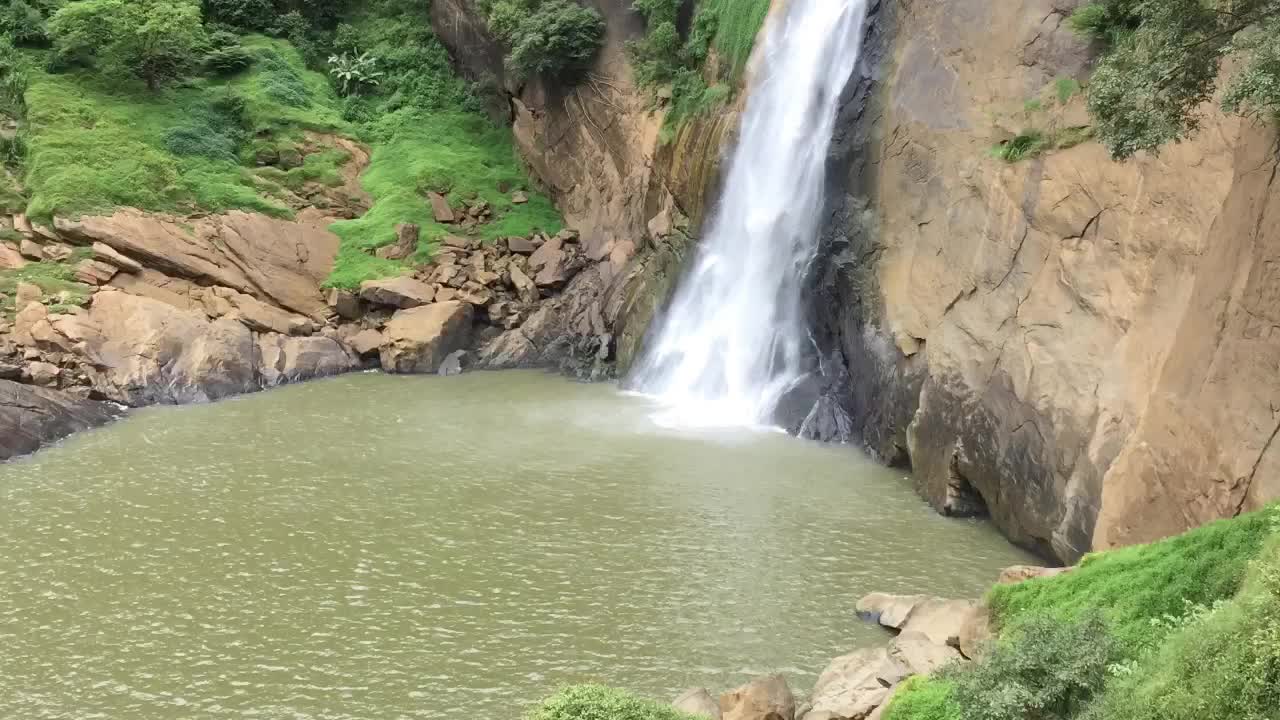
point(733, 340)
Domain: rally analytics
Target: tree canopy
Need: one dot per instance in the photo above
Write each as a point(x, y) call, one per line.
point(156, 40)
point(1161, 62)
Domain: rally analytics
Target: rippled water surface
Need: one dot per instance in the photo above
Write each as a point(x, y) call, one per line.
point(382, 547)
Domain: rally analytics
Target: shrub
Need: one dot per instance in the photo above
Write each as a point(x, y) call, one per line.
point(23, 23)
point(13, 79)
point(228, 60)
point(1027, 144)
point(547, 37)
point(597, 702)
point(354, 72)
point(281, 80)
point(1044, 668)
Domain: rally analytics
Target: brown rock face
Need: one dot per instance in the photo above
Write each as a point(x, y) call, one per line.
point(284, 359)
point(1081, 346)
point(32, 416)
point(275, 260)
point(10, 258)
point(419, 339)
point(440, 208)
point(765, 698)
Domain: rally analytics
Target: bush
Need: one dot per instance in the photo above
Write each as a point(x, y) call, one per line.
point(1044, 668)
point(597, 702)
point(228, 60)
point(23, 23)
point(547, 37)
point(281, 80)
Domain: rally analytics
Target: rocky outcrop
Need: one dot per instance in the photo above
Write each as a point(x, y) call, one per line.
point(1081, 348)
point(419, 339)
point(764, 698)
point(32, 416)
point(698, 701)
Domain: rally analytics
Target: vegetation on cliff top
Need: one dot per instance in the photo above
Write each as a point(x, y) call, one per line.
point(1182, 629)
point(174, 108)
point(1161, 62)
point(723, 30)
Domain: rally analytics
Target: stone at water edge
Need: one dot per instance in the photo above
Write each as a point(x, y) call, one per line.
point(698, 701)
point(454, 363)
point(919, 654)
point(890, 611)
point(764, 698)
point(440, 209)
point(419, 339)
point(853, 685)
point(941, 620)
point(365, 342)
point(975, 633)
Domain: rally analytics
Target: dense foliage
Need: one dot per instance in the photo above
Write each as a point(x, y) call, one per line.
point(155, 40)
point(551, 38)
point(665, 59)
point(1183, 629)
point(1161, 63)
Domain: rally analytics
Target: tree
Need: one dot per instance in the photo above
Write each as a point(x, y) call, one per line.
point(155, 40)
point(1161, 62)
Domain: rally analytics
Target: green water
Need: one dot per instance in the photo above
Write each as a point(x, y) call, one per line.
point(383, 547)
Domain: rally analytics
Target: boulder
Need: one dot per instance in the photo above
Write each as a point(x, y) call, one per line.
point(446, 294)
point(459, 242)
point(975, 632)
point(419, 339)
point(365, 342)
point(284, 359)
point(890, 611)
point(261, 317)
point(511, 349)
point(95, 272)
point(143, 351)
point(31, 315)
point(940, 620)
point(697, 701)
point(32, 416)
point(918, 654)
point(764, 698)
point(524, 285)
point(22, 224)
point(31, 249)
point(107, 254)
point(398, 292)
point(43, 373)
point(519, 197)
point(26, 294)
point(344, 303)
point(879, 712)
point(522, 246)
point(454, 363)
point(440, 209)
point(55, 252)
point(10, 258)
point(854, 685)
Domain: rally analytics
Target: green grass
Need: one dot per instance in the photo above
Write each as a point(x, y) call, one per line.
point(1139, 588)
point(460, 154)
point(597, 702)
point(1027, 144)
point(924, 698)
point(55, 279)
point(737, 24)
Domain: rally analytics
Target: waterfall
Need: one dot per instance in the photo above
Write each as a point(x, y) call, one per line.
point(733, 340)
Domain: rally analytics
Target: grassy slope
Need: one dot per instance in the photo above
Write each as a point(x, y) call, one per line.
point(1195, 621)
point(94, 146)
point(738, 23)
point(57, 280)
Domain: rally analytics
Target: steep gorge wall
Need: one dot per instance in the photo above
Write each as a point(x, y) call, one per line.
point(594, 145)
point(1089, 347)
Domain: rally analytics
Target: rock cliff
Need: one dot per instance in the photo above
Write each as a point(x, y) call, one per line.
point(1086, 348)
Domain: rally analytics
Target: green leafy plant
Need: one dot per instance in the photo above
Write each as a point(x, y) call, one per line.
point(228, 60)
point(1161, 63)
point(1027, 144)
point(552, 38)
point(154, 40)
point(925, 698)
point(354, 72)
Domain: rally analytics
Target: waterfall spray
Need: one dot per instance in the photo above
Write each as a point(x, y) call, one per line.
point(733, 340)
